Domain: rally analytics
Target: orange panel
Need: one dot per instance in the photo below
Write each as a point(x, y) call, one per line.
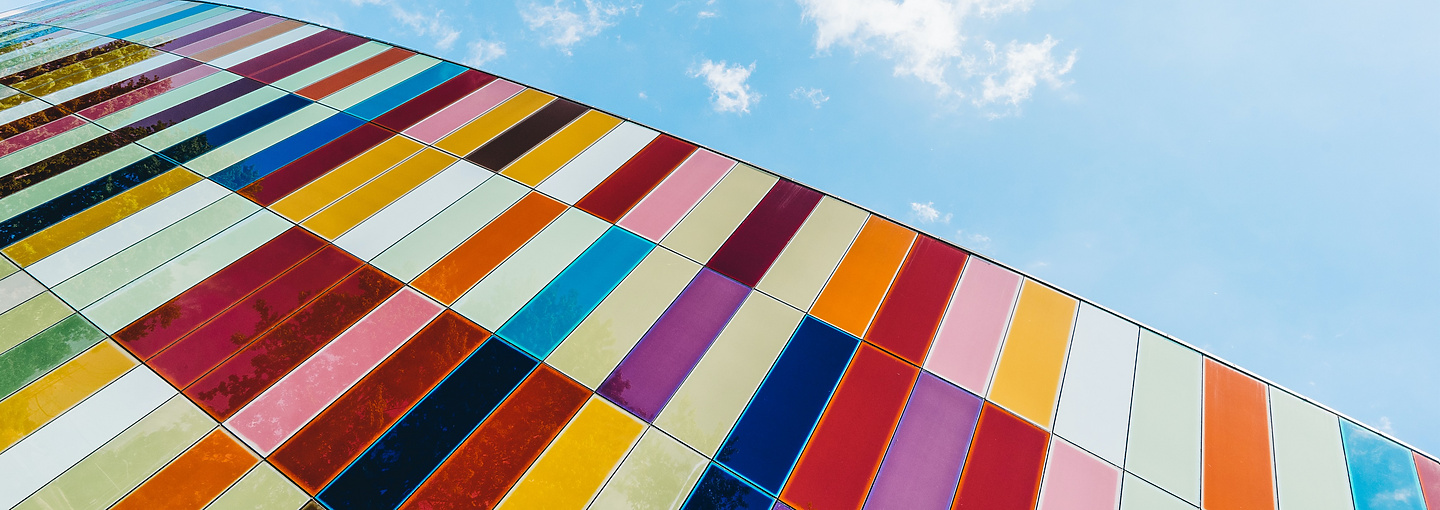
point(478, 255)
point(855, 290)
point(1238, 473)
point(196, 477)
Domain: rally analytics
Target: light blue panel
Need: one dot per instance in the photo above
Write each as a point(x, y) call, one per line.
point(404, 91)
point(555, 311)
point(1382, 473)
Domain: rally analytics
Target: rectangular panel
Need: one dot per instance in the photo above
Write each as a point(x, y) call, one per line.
point(719, 488)
point(654, 369)
point(322, 70)
point(27, 410)
point(316, 138)
point(195, 478)
point(754, 245)
point(564, 302)
point(1094, 408)
point(769, 436)
point(624, 188)
point(1309, 456)
point(922, 466)
point(1005, 464)
point(598, 344)
point(462, 111)
point(45, 351)
point(545, 159)
point(574, 180)
point(275, 185)
point(1027, 380)
point(420, 249)
point(499, 152)
point(392, 223)
point(712, 397)
point(433, 100)
point(1165, 417)
point(657, 474)
point(968, 343)
point(1076, 480)
point(354, 73)
point(248, 149)
point(912, 310)
point(262, 487)
point(360, 204)
point(484, 128)
point(1382, 473)
point(333, 185)
point(477, 256)
point(813, 253)
point(1429, 478)
point(714, 218)
point(853, 293)
point(385, 100)
point(30, 318)
point(1238, 466)
point(660, 210)
point(577, 463)
point(844, 453)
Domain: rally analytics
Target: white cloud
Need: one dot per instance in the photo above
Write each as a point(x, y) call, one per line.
point(1386, 426)
point(728, 90)
point(976, 241)
point(483, 51)
point(927, 40)
point(816, 96)
point(643, 96)
point(433, 26)
point(565, 27)
point(707, 14)
point(927, 213)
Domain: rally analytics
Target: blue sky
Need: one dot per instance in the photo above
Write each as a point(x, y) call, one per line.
point(1256, 178)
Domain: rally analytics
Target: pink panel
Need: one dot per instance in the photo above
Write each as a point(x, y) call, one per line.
point(1429, 480)
point(462, 111)
point(227, 36)
point(1076, 480)
point(969, 340)
point(290, 404)
point(139, 95)
point(39, 134)
point(658, 212)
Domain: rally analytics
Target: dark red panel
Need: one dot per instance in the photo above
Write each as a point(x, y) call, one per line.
point(845, 451)
point(341, 432)
point(311, 57)
point(500, 152)
point(624, 188)
point(273, 187)
point(492, 459)
point(912, 310)
point(758, 241)
point(171, 321)
point(1006, 459)
point(283, 53)
point(433, 100)
point(241, 378)
point(201, 350)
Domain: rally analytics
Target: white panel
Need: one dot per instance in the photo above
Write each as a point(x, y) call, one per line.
point(395, 221)
point(1095, 395)
point(501, 294)
point(17, 288)
point(587, 170)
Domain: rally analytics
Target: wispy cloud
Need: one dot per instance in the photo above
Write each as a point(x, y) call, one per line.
point(927, 40)
point(729, 92)
point(483, 52)
point(431, 25)
point(816, 96)
point(927, 213)
point(565, 24)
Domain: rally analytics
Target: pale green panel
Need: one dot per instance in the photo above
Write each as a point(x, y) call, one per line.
point(152, 290)
point(330, 66)
point(497, 297)
point(257, 140)
point(1309, 456)
point(7, 268)
point(31, 317)
point(421, 248)
point(127, 460)
point(48, 189)
point(161, 102)
point(1165, 422)
point(90, 285)
point(197, 18)
point(50, 147)
point(1138, 495)
point(263, 488)
point(657, 475)
point(210, 118)
point(362, 90)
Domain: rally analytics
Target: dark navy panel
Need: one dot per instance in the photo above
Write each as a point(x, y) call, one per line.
point(237, 127)
point(82, 198)
point(768, 438)
point(720, 490)
point(396, 464)
point(246, 171)
point(404, 91)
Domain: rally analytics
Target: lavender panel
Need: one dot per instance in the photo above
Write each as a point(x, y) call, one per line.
point(923, 465)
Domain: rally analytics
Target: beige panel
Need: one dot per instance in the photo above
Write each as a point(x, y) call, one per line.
point(814, 252)
point(706, 227)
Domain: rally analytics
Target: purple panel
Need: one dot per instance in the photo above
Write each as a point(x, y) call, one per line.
point(651, 373)
point(283, 53)
point(780, 506)
point(922, 467)
point(207, 32)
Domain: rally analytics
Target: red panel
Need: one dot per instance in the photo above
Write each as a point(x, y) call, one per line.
point(492, 459)
point(201, 350)
point(912, 311)
point(248, 68)
point(340, 433)
point(161, 327)
point(273, 187)
point(1006, 459)
point(354, 73)
point(433, 100)
point(758, 241)
point(624, 188)
point(311, 57)
point(838, 464)
point(241, 378)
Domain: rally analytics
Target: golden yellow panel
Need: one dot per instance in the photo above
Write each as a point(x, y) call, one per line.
point(347, 212)
point(85, 70)
point(471, 136)
point(35, 405)
point(549, 156)
point(577, 463)
point(1027, 380)
point(315, 196)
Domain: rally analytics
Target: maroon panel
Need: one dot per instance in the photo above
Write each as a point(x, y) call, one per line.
point(273, 187)
point(283, 53)
point(201, 350)
point(624, 188)
point(433, 100)
point(1006, 459)
point(244, 376)
point(303, 61)
point(758, 241)
point(208, 32)
point(912, 311)
point(498, 153)
point(163, 326)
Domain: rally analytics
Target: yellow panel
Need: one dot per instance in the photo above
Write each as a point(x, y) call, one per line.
point(1028, 378)
point(471, 136)
point(561, 148)
point(35, 405)
point(56, 237)
point(575, 466)
point(321, 192)
point(85, 70)
point(374, 196)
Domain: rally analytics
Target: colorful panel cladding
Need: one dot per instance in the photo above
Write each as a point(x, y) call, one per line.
point(251, 262)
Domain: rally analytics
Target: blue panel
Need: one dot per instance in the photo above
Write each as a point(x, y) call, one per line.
point(720, 490)
point(558, 309)
point(1382, 473)
point(768, 438)
point(237, 127)
point(404, 91)
point(240, 174)
point(162, 20)
point(396, 464)
point(27, 37)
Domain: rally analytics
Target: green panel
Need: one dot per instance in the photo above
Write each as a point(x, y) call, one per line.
point(657, 475)
point(1165, 422)
point(1309, 457)
point(330, 66)
point(31, 317)
point(45, 351)
point(262, 488)
point(429, 243)
point(50, 146)
point(256, 141)
point(48, 189)
point(378, 82)
point(164, 101)
point(1138, 495)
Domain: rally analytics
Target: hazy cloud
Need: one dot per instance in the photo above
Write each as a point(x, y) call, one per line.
point(483, 51)
point(566, 23)
point(432, 25)
point(814, 95)
point(927, 213)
